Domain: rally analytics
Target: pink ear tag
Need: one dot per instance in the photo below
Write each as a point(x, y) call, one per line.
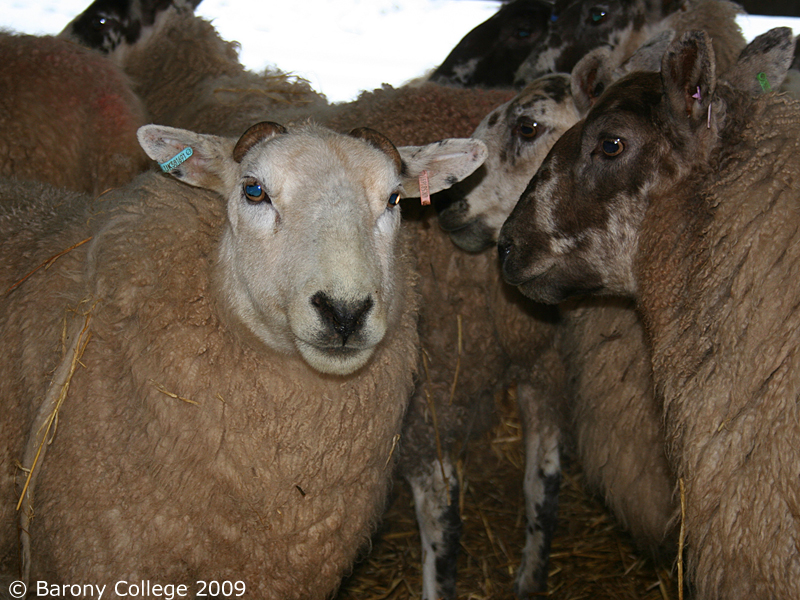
point(424, 189)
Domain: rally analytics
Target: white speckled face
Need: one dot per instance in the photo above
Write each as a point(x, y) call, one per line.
point(518, 135)
point(581, 26)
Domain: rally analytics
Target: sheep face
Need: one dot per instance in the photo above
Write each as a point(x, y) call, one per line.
point(579, 26)
point(649, 139)
point(307, 259)
point(112, 25)
point(489, 55)
point(518, 136)
point(575, 228)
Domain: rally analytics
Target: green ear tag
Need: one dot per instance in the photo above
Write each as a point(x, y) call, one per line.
point(762, 79)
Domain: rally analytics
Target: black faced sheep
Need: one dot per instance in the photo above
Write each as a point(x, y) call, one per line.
point(106, 25)
point(188, 76)
point(67, 116)
point(682, 189)
point(490, 54)
point(609, 387)
point(207, 382)
point(625, 25)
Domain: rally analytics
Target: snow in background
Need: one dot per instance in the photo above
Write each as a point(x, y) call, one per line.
point(341, 46)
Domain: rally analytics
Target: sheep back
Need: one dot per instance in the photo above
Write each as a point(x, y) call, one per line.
point(719, 295)
point(67, 116)
point(193, 453)
point(189, 77)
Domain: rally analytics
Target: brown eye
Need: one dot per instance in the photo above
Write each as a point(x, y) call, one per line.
point(394, 199)
point(597, 15)
point(526, 129)
point(612, 147)
point(254, 192)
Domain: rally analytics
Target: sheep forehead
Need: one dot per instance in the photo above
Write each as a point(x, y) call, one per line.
point(317, 165)
point(572, 35)
point(511, 163)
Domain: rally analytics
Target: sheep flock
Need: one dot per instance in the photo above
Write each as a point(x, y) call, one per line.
point(233, 314)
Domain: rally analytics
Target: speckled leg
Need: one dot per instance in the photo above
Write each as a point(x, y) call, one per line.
point(542, 481)
point(436, 495)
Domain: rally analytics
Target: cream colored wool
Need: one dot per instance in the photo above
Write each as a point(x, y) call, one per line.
point(184, 450)
point(67, 116)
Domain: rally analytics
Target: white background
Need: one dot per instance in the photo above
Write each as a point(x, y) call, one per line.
point(340, 46)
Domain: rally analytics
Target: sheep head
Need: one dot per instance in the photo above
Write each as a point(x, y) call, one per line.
point(649, 138)
point(518, 135)
point(308, 255)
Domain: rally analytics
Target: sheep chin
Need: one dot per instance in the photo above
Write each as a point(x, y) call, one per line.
point(334, 361)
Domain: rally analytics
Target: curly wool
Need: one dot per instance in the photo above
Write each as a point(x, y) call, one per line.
point(189, 77)
point(211, 456)
point(719, 296)
point(67, 116)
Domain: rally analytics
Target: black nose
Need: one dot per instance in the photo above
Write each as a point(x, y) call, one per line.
point(504, 247)
point(344, 318)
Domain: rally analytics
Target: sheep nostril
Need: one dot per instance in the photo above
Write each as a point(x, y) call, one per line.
point(504, 247)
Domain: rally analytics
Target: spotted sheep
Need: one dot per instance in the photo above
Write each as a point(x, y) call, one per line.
point(681, 190)
point(614, 419)
point(579, 26)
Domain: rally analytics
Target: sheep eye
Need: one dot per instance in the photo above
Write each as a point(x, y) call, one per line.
point(598, 15)
point(612, 147)
point(526, 129)
point(394, 199)
point(523, 33)
point(254, 192)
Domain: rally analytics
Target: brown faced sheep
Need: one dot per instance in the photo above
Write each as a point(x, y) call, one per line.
point(682, 190)
point(227, 365)
point(609, 386)
point(624, 25)
point(67, 116)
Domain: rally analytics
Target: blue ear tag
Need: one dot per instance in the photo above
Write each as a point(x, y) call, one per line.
point(177, 160)
point(553, 18)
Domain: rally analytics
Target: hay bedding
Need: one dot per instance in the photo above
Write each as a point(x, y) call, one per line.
point(592, 557)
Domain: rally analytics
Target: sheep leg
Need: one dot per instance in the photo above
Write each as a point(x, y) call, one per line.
point(542, 481)
point(436, 499)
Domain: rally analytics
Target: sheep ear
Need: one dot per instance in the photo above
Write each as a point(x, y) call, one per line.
point(588, 78)
point(648, 56)
point(204, 161)
point(446, 162)
point(763, 64)
point(688, 75)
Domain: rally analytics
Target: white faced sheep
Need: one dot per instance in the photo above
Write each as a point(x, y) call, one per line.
point(68, 116)
point(188, 76)
point(625, 25)
point(682, 190)
point(454, 285)
point(477, 334)
point(228, 365)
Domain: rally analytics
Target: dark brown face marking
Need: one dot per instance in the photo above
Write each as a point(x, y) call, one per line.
point(573, 229)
